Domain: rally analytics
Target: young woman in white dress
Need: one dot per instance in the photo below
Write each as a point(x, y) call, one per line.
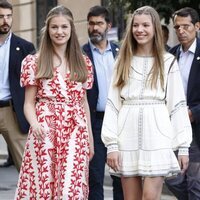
point(146, 116)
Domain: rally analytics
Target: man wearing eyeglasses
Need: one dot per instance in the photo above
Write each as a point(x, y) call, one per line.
point(186, 24)
point(13, 125)
point(102, 53)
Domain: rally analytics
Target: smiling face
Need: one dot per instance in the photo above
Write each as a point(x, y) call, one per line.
point(59, 30)
point(143, 29)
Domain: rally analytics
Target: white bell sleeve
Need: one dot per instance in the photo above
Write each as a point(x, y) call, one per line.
point(109, 129)
point(178, 112)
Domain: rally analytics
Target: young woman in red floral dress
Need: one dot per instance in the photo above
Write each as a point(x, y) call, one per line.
point(60, 142)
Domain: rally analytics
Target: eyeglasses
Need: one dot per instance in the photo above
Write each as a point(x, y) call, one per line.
point(92, 23)
point(9, 16)
point(183, 26)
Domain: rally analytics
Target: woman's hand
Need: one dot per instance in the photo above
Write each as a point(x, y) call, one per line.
point(91, 150)
point(183, 162)
point(38, 131)
point(113, 160)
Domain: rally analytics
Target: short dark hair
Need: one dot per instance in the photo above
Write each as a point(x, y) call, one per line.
point(185, 12)
point(5, 4)
point(99, 11)
point(165, 28)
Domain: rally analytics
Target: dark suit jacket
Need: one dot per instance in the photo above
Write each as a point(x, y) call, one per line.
point(193, 90)
point(19, 49)
point(93, 93)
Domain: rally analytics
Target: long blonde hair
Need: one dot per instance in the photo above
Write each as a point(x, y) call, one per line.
point(129, 48)
point(77, 65)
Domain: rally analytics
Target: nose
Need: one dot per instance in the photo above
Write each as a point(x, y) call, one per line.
point(95, 27)
point(180, 29)
point(140, 28)
point(59, 30)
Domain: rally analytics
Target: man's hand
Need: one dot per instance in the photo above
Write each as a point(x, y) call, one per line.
point(190, 115)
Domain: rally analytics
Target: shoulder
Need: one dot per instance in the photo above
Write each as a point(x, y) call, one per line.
point(114, 46)
point(30, 59)
point(19, 39)
point(174, 49)
point(168, 56)
point(198, 44)
point(87, 61)
point(198, 40)
point(169, 61)
point(86, 47)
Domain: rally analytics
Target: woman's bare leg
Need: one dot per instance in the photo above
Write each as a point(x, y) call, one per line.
point(152, 188)
point(132, 188)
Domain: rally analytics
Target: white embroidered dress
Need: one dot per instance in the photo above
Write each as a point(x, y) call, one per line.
point(145, 125)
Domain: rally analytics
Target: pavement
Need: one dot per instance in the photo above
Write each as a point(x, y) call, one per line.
point(9, 177)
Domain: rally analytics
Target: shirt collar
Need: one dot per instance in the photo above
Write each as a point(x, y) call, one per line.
point(6, 40)
point(93, 47)
point(192, 47)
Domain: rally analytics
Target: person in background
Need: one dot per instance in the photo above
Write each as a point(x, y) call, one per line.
point(165, 31)
point(60, 143)
point(102, 53)
point(13, 125)
point(146, 114)
point(9, 162)
point(186, 186)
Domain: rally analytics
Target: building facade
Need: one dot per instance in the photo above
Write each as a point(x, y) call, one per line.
point(29, 16)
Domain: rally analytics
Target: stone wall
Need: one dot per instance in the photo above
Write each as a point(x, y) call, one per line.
point(24, 17)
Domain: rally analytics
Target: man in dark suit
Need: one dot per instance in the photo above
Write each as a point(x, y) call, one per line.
point(102, 54)
point(13, 125)
point(186, 24)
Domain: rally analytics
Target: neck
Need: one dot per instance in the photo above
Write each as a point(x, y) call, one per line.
point(144, 53)
point(101, 45)
point(3, 37)
point(60, 51)
point(185, 47)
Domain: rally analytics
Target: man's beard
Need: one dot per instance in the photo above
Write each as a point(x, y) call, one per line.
point(96, 37)
point(4, 29)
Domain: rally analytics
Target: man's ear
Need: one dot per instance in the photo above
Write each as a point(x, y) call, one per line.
point(109, 25)
point(197, 26)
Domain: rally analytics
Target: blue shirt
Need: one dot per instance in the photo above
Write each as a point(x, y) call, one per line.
point(104, 65)
point(4, 69)
point(185, 63)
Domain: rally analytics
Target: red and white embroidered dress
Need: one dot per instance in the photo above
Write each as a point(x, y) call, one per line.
point(56, 168)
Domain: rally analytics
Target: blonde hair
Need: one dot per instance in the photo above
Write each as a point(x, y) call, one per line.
point(77, 65)
point(129, 48)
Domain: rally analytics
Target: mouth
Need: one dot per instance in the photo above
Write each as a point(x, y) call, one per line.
point(95, 34)
point(5, 26)
point(182, 38)
point(59, 37)
point(140, 36)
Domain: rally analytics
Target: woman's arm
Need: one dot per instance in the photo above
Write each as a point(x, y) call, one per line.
point(30, 112)
point(91, 141)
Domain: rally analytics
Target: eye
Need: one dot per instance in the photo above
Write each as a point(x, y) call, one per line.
point(65, 26)
point(183, 26)
point(54, 27)
point(100, 23)
point(135, 25)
